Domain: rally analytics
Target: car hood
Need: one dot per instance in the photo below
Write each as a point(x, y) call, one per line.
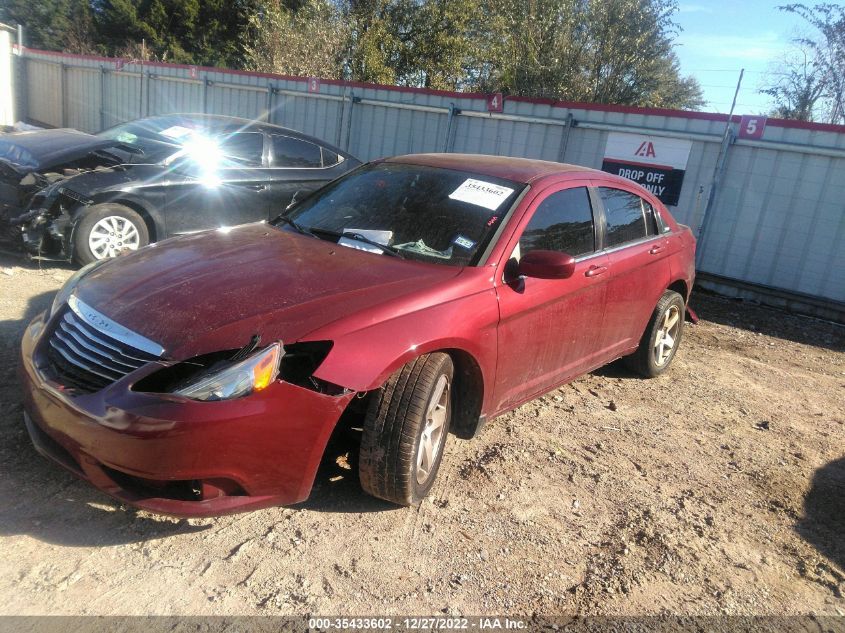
point(215, 290)
point(44, 149)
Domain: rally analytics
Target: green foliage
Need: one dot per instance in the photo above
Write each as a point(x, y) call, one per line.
point(307, 41)
point(612, 51)
point(183, 31)
point(608, 51)
point(53, 24)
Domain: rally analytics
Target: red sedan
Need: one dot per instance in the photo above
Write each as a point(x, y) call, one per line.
point(414, 296)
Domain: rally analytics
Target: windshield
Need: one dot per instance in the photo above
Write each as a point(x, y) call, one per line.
point(154, 137)
point(188, 146)
point(430, 214)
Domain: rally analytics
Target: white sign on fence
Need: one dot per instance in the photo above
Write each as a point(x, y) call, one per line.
point(658, 163)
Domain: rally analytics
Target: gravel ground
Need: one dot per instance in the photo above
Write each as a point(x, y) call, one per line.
point(716, 488)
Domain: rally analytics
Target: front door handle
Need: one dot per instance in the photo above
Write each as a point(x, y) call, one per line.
point(595, 271)
point(657, 249)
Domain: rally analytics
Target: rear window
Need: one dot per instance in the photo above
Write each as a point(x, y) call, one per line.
point(294, 152)
point(243, 148)
point(626, 220)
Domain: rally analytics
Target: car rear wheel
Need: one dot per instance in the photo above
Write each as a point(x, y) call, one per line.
point(405, 430)
point(661, 338)
point(106, 230)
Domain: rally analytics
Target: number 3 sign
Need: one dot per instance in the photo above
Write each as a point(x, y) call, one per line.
point(752, 126)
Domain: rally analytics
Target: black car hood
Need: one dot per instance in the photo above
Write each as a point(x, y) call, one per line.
point(43, 149)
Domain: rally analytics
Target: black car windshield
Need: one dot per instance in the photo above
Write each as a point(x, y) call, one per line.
point(425, 213)
point(154, 137)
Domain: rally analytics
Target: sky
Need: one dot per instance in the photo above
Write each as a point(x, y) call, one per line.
point(720, 37)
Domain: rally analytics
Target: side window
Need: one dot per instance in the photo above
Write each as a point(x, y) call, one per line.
point(626, 219)
point(329, 158)
point(242, 149)
point(563, 222)
point(652, 223)
point(293, 152)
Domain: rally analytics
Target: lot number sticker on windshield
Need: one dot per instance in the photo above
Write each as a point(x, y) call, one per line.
point(176, 131)
point(484, 194)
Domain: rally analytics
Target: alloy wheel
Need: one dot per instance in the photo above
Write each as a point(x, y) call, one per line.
point(112, 235)
point(434, 425)
point(667, 335)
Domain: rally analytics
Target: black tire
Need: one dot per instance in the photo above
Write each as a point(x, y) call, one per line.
point(644, 360)
point(90, 216)
point(393, 430)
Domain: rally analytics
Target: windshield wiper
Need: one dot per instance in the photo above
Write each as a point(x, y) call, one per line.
point(297, 227)
point(390, 250)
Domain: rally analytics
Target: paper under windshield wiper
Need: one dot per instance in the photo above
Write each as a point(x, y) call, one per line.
point(390, 250)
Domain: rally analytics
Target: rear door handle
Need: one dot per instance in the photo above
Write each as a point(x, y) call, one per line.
point(594, 271)
point(657, 249)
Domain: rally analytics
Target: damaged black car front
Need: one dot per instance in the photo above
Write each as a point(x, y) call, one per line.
point(34, 164)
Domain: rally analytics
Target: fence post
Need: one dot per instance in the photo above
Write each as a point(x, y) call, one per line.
point(453, 112)
point(150, 78)
point(339, 125)
point(352, 101)
point(206, 84)
point(564, 141)
point(102, 97)
point(718, 172)
point(271, 90)
point(63, 92)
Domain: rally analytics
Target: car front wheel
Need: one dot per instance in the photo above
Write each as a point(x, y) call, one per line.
point(405, 430)
point(661, 338)
point(107, 230)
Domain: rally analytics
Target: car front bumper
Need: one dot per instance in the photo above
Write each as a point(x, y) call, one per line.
point(177, 457)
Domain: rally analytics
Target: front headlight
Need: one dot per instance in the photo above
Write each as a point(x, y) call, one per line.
point(224, 381)
point(71, 284)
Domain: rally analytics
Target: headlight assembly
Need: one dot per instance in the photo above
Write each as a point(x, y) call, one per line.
point(226, 380)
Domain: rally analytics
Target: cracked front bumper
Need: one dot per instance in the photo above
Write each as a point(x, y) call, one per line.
point(177, 457)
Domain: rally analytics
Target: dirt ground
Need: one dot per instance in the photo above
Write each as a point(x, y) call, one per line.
point(717, 488)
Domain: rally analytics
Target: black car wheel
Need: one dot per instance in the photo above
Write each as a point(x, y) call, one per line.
point(405, 431)
point(107, 230)
point(661, 338)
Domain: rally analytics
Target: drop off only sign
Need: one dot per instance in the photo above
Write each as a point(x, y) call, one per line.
point(657, 163)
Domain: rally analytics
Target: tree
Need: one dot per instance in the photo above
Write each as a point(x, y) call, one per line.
point(812, 86)
point(306, 39)
point(607, 51)
point(202, 32)
point(797, 85)
point(53, 24)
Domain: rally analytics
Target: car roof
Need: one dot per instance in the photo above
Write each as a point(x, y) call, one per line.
point(524, 170)
point(220, 123)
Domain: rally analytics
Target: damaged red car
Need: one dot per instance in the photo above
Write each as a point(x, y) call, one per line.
point(413, 297)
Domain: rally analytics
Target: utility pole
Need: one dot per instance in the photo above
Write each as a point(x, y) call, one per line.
point(718, 170)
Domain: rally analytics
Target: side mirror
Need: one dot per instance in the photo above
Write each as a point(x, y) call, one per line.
point(546, 265)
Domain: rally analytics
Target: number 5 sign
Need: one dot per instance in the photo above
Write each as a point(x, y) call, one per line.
point(751, 126)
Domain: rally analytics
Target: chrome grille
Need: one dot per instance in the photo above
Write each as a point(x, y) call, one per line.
point(87, 358)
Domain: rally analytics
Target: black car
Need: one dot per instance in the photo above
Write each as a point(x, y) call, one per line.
point(87, 197)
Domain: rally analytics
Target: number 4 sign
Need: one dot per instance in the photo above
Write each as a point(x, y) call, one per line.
point(752, 126)
point(494, 102)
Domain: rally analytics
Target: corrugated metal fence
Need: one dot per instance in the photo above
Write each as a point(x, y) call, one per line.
point(776, 227)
